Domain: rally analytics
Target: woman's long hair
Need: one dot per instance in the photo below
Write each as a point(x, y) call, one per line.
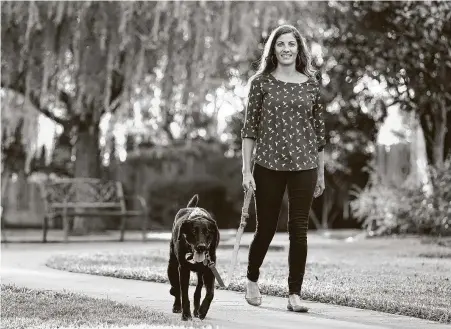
point(268, 60)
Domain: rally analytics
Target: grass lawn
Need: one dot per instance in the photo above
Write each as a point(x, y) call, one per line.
point(400, 276)
point(26, 308)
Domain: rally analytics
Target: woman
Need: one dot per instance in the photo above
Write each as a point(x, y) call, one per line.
point(284, 121)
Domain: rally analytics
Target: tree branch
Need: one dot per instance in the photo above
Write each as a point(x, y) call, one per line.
point(35, 102)
point(66, 99)
point(117, 87)
point(47, 112)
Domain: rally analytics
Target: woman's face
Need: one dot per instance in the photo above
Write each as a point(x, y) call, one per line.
point(286, 49)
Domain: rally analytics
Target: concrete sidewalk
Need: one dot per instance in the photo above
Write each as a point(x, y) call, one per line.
point(24, 265)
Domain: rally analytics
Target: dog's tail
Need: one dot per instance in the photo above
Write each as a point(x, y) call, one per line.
point(193, 202)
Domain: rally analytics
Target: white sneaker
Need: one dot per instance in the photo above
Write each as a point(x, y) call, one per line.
point(294, 304)
point(253, 296)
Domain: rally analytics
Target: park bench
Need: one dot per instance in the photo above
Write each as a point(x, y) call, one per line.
point(88, 197)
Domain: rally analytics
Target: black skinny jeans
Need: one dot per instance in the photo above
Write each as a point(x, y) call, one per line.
point(270, 188)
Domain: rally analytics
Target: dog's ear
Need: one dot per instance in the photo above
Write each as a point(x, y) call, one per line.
point(183, 229)
point(216, 235)
point(180, 232)
point(193, 202)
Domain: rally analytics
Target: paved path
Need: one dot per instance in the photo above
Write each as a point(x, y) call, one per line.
point(24, 265)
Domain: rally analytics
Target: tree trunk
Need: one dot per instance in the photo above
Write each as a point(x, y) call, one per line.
point(435, 133)
point(6, 179)
point(438, 151)
point(448, 135)
point(87, 165)
point(87, 153)
point(167, 88)
point(22, 186)
point(326, 208)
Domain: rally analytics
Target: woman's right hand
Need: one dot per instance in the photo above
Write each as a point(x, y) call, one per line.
point(248, 181)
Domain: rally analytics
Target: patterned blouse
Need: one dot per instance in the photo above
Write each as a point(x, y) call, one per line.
point(287, 121)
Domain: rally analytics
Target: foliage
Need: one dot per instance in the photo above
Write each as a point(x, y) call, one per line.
point(19, 131)
point(377, 55)
point(77, 61)
point(168, 196)
point(432, 210)
point(189, 163)
point(387, 209)
point(378, 208)
point(161, 173)
point(228, 171)
point(179, 150)
point(404, 46)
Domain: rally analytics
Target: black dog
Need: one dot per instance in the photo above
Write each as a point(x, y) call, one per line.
point(194, 234)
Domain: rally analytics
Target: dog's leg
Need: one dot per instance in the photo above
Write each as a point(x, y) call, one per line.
point(173, 276)
point(209, 281)
point(197, 293)
point(184, 274)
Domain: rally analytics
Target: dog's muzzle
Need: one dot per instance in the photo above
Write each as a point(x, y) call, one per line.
point(201, 248)
point(198, 254)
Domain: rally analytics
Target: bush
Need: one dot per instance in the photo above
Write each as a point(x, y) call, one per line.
point(376, 207)
point(431, 209)
point(383, 209)
point(168, 196)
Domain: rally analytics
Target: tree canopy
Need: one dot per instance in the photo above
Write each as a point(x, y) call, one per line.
point(405, 46)
point(77, 61)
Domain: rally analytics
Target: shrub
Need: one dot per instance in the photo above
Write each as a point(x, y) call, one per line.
point(376, 207)
point(431, 208)
point(384, 209)
point(168, 196)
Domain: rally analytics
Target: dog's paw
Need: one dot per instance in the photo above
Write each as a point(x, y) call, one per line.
point(176, 309)
point(196, 313)
point(186, 316)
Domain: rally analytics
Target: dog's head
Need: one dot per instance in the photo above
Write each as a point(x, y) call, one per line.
point(200, 232)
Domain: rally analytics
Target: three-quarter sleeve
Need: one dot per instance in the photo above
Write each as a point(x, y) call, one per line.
point(253, 111)
point(319, 124)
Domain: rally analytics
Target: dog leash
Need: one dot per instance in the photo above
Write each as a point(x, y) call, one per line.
point(243, 222)
point(208, 262)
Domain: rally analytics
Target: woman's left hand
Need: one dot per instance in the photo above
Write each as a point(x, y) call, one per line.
point(320, 186)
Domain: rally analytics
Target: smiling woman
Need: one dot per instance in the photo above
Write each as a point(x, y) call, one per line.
point(285, 122)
